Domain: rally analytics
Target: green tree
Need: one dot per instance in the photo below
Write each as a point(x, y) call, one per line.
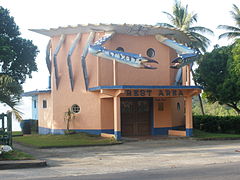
point(215, 73)
point(214, 109)
point(17, 59)
point(233, 31)
point(182, 19)
point(236, 59)
point(10, 93)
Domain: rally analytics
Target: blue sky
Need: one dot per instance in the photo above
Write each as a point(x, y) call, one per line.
point(36, 14)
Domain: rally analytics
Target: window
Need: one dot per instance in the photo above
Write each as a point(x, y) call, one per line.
point(75, 108)
point(44, 105)
point(35, 104)
point(120, 49)
point(150, 52)
point(178, 106)
point(160, 106)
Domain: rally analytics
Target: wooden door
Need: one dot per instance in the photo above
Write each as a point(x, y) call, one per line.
point(136, 116)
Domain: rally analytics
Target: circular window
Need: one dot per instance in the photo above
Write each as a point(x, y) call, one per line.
point(178, 106)
point(150, 52)
point(120, 49)
point(75, 108)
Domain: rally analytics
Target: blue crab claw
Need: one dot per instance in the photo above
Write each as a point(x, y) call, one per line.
point(177, 59)
point(182, 57)
point(188, 56)
point(174, 66)
point(145, 62)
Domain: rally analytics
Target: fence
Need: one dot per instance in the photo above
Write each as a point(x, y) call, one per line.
point(6, 129)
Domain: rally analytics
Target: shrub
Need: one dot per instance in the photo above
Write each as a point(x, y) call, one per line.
point(217, 124)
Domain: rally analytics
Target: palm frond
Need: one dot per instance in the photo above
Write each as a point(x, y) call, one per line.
point(17, 114)
point(200, 36)
point(229, 28)
point(170, 16)
point(235, 13)
point(201, 29)
point(236, 9)
point(165, 25)
point(10, 92)
point(201, 42)
point(195, 17)
point(230, 35)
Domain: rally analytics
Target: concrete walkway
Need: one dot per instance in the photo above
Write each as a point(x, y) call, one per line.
point(131, 156)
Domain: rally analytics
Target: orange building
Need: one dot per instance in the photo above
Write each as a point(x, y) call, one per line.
point(109, 96)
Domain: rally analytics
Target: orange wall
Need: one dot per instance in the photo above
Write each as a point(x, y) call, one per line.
point(64, 98)
point(178, 118)
point(100, 71)
point(170, 116)
point(107, 113)
point(173, 72)
point(162, 118)
point(127, 75)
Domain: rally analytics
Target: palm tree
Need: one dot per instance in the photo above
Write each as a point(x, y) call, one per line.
point(234, 32)
point(183, 20)
point(10, 92)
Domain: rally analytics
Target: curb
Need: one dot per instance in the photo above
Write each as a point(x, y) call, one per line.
point(19, 164)
point(87, 145)
point(72, 146)
point(217, 139)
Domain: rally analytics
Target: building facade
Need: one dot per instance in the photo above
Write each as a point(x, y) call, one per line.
point(117, 96)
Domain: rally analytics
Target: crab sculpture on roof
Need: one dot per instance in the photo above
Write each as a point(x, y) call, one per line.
point(131, 59)
point(185, 55)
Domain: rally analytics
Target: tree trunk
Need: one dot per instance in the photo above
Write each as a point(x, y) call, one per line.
point(237, 110)
point(199, 97)
point(234, 106)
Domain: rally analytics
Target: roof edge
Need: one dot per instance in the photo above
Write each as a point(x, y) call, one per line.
point(36, 92)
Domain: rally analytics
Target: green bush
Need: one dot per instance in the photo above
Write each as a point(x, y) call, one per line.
point(217, 124)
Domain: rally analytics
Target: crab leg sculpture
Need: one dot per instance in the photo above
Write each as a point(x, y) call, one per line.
point(183, 60)
point(131, 59)
point(186, 56)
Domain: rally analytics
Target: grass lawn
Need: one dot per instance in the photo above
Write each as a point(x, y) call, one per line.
point(207, 135)
point(15, 155)
point(70, 140)
point(17, 133)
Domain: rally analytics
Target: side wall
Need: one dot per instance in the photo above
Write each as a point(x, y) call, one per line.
point(88, 119)
point(45, 117)
point(35, 107)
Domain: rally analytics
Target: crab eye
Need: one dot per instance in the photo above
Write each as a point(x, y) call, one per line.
point(150, 52)
point(120, 49)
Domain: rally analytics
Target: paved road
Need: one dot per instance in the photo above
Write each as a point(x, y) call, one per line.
point(210, 172)
point(149, 157)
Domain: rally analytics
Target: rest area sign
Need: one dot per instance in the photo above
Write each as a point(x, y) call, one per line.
point(154, 93)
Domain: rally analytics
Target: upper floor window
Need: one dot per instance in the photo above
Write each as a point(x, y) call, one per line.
point(178, 106)
point(75, 108)
point(35, 103)
point(150, 52)
point(44, 105)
